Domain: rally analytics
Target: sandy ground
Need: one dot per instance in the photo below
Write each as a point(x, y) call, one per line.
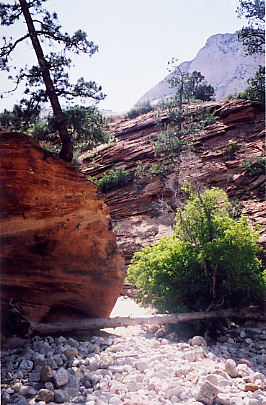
point(127, 307)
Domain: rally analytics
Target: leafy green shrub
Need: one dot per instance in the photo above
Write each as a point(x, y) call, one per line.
point(210, 260)
point(207, 117)
point(40, 131)
point(229, 151)
point(114, 178)
point(142, 109)
point(86, 125)
point(21, 117)
point(162, 168)
point(255, 166)
point(255, 90)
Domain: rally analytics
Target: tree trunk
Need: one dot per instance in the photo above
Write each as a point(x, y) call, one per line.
point(96, 324)
point(67, 144)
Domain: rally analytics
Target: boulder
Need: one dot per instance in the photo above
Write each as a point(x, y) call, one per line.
point(59, 257)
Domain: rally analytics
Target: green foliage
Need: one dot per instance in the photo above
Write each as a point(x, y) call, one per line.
point(162, 168)
point(49, 79)
point(171, 141)
point(164, 274)
point(47, 28)
point(142, 109)
point(114, 178)
point(230, 150)
point(182, 129)
point(196, 88)
point(86, 125)
point(205, 92)
point(256, 88)
point(182, 126)
point(41, 132)
point(210, 260)
point(189, 86)
point(255, 166)
point(141, 170)
point(253, 36)
point(20, 118)
point(206, 117)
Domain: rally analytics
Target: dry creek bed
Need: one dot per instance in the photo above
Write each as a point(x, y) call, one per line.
point(137, 366)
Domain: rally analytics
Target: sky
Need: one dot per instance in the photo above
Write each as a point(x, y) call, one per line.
point(136, 39)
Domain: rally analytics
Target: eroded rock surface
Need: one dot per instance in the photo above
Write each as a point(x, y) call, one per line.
point(59, 257)
point(139, 210)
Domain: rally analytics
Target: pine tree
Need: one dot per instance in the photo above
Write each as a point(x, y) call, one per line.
point(48, 80)
point(253, 36)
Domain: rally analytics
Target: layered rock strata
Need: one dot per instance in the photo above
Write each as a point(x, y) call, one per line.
point(59, 257)
point(141, 210)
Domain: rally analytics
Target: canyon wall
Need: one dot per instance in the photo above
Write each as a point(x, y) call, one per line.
point(143, 210)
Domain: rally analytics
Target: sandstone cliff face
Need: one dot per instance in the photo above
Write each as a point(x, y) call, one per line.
point(139, 210)
point(223, 62)
point(59, 257)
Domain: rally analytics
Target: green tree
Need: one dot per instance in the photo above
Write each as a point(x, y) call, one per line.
point(86, 125)
point(181, 126)
point(253, 36)
point(256, 88)
point(189, 85)
point(49, 80)
point(197, 88)
point(139, 110)
point(209, 261)
point(177, 81)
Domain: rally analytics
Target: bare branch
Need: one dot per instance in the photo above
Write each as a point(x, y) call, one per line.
point(9, 47)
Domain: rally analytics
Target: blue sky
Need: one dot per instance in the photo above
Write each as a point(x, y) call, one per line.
point(136, 39)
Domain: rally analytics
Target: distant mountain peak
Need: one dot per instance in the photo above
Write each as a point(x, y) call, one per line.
point(224, 63)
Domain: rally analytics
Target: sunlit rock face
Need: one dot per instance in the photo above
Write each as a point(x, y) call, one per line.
point(224, 63)
point(59, 257)
point(143, 211)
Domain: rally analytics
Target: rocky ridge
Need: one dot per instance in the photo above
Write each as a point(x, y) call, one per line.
point(224, 64)
point(138, 209)
point(147, 368)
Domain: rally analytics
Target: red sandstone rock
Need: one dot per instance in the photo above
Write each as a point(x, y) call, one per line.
point(59, 257)
point(137, 207)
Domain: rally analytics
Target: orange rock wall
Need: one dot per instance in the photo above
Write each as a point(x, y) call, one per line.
point(59, 257)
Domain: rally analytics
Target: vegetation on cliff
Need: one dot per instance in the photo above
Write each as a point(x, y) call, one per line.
point(86, 125)
point(256, 87)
